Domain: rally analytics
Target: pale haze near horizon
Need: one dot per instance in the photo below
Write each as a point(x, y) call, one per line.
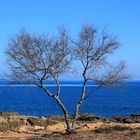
point(121, 17)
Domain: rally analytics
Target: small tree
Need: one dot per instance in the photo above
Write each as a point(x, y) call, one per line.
point(92, 49)
point(36, 59)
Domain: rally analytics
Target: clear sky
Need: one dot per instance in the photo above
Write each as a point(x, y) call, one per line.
point(121, 17)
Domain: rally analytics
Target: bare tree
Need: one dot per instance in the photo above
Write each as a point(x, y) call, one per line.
point(92, 49)
point(37, 59)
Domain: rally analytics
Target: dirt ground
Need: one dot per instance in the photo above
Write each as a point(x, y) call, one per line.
point(85, 131)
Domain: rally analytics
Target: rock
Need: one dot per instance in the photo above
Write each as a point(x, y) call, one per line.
point(3, 120)
point(14, 125)
point(9, 123)
point(55, 119)
point(89, 117)
point(39, 128)
point(119, 119)
point(37, 121)
point(131, 119)
point(135, 115)
point(23, 129)
point(137, 120)
point(9, 126)
point(12, 122)
point(8, 114)
point(128, 120)
point(85, 117)
point(22, 121)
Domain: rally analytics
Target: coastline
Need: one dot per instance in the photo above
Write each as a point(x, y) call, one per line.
point(13, 126)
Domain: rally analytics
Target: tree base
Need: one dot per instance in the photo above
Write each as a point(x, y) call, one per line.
point(70, 131)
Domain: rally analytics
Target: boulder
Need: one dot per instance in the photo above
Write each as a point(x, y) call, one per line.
point(22, 120)
point(85, 117)
point(119, 119)
point(39, 128)
point(23, 129)
point(128, 120)
point(90, 117)
point(39, 121)
point(135, 115)
point(137, 120)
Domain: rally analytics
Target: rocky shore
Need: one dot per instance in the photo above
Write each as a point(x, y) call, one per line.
point(12, 125)
point(134, 118)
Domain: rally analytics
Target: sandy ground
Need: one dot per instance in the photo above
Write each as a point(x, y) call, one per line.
point(85, 131)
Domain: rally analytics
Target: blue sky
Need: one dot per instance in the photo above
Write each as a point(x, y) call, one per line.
point(122, 17)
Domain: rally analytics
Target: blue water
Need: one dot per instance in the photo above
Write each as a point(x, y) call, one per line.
point(30, 100)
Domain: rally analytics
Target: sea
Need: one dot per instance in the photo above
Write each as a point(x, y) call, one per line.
point(107, 102)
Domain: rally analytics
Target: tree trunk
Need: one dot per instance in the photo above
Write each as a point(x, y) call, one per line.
point(78, 105)
point(60, 104)
point(66, 115)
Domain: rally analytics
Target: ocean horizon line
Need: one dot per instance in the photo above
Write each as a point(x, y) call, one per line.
point(49, 85)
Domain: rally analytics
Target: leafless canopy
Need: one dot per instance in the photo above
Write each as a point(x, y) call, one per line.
point(38, 58)
point(92, 49)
